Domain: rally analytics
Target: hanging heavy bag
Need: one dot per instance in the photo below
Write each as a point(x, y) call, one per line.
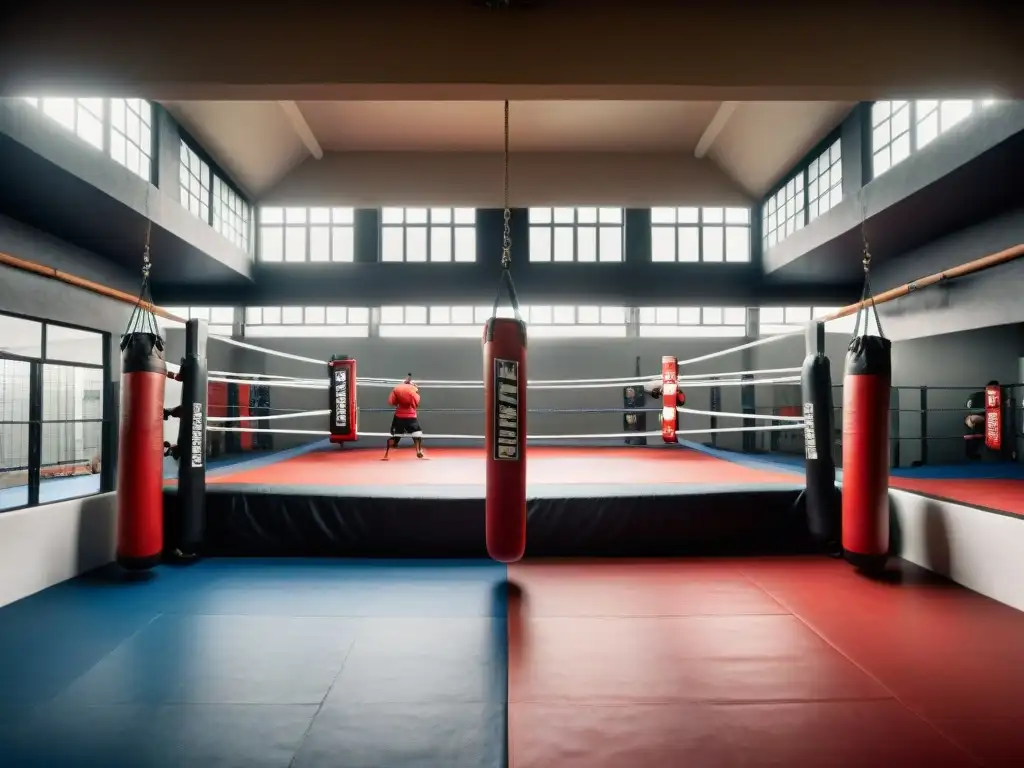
point(866, 386)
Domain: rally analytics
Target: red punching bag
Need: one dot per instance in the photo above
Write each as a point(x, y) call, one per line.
point(140, 470)
point(866, 452)
point(505, 437)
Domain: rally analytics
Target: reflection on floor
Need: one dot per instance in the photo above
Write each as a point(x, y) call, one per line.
point(604, 664)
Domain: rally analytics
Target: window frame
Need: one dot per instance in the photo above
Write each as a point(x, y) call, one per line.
point(429, 226)
point(802, 170)
point(699, 225)
point(307, 225)
point(35, 422)
point(574, 227)
point(913, 105)
point(350, 329)
point(665, 329)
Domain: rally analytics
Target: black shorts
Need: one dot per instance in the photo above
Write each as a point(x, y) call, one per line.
point(401, 427)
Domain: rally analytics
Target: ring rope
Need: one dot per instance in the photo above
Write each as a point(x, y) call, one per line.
point(607, 435)
point(323, 383)
point(548, 411)
point(299, 415)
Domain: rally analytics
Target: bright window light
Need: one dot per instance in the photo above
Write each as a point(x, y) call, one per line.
point(693, 322)
point(301, 235)
point(194, 186)
point(307, 322)
point(589, 235)
point(428, 234)
point(713, 235)
point(131, 135)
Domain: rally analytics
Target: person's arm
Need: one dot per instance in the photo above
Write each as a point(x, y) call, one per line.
point(393, 397)
point(414, 395)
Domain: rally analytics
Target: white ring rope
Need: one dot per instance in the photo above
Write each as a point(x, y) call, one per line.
point(740, 348)
point(732, 415)
point(299, 415)
point(679, 363)
point(323, 383)
point(274, 352)
point(607, 435)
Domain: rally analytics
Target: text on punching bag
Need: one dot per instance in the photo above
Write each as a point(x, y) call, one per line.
point(341, 399)
point(506, 410)
point(197, 435)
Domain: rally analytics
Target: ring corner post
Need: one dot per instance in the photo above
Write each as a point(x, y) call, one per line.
point(342, 395)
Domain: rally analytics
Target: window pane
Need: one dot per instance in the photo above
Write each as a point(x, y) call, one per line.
point(564, 215)
point(272, 243)
point(295, 215)
point(319, 215)
point(611, 215)
point(343, 215)
point(689, 244)
point(689, 316)
point(343, 244)
point(586, 242)
point(663, 215)
point(737, 215)
point(416, 243)
point(611, 244)
point(772, 316)
point(21, 337)
point(336, 316)
point(391, 244)
point(563, 244)
point(714, 244)
point(440, 315)
point(14, 407)
point(415, 315)
point(613, 315)
point(663, 244)
point(465, 244)
point(253, 316)
point(294, 243)
point(440, 243)
point(440, 215)
point(735, 316)
point(563, 315)
point(392, 315)
point(319, 244)
point(291, 315)
point(666, 315)
point(219, 315)
point(415, 215)
point(73, 397)
point(358, 316)
point(712, 216)
point(688, 215)
point(315, 315)
point(540, 243)
point(586, 215)
point(392, 216)
point(588, 314)
point(462, 315)
point(540, 314)
point(711, 316)
point(271, 216)
point(465, 215)
point(737, 244)
point(647, 315)
point(540, 215)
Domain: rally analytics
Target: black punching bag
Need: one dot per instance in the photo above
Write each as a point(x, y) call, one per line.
point(822, 507)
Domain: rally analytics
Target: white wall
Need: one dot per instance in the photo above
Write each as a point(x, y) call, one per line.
point(45, 545)
point(981, 550)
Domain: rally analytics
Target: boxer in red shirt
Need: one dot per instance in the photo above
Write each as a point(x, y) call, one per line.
point(406, 399)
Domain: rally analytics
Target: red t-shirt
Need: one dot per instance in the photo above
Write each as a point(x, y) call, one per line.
point(405, 398)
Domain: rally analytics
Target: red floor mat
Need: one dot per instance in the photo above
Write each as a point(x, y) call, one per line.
point(787, 662)
point(465, 466)
point(1003, 495)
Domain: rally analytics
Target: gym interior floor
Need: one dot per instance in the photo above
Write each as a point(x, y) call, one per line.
point(789, 662)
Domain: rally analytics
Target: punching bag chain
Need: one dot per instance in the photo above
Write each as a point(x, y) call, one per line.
point(506, 242)
point(866, 297)
point(142, 319)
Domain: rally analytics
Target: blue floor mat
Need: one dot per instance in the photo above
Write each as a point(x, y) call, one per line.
point(260, 663)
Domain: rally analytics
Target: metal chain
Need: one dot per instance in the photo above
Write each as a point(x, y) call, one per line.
point(506, 242)
point(147, 264)
point(866, 260)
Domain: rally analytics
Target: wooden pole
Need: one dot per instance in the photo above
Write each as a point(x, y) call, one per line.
point(81, 282)
point(986, 262)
